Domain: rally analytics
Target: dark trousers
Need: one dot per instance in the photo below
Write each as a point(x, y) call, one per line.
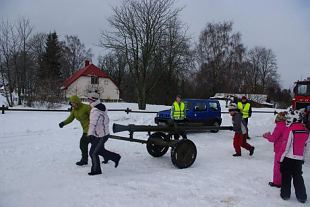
point(182, 133)
point(240, 141)
point(291, 168)
point(97, 148)
point(84, 141)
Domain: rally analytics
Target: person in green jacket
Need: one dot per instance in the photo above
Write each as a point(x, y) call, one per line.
point(80, 112)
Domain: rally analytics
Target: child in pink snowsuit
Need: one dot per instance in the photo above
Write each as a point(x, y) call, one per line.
point(277, 138)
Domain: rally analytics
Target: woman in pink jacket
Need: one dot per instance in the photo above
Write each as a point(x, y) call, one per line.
point(277, 138)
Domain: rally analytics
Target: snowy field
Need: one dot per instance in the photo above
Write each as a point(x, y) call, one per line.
point(37, 161)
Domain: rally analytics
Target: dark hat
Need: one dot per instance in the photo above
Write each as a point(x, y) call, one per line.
point(244, 97)
point(178, 96)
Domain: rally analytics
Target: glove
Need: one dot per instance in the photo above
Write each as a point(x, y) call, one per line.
point(61, 124)
point(265, 135)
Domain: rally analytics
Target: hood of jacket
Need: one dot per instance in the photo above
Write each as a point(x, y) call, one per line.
point(75, 99)
point(100, 106)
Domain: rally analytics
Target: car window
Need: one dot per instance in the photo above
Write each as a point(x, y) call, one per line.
point(200, 106)
point(188, 105)
point(213, 106)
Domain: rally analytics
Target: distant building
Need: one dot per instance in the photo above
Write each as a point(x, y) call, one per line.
point(88, 80)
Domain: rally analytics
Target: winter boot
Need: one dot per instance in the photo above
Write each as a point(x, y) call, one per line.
point(94, 173)
point(252, 151)
point(236, 155)
point(117, 160)
point(82, 162)
point(274, 185)
point(284, 197)
point(302, 200)
point(105, 161)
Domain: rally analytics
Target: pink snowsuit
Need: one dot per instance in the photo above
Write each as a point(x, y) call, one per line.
point(277, 137)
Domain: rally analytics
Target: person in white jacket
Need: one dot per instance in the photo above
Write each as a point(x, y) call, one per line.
point(294, 148)
point(98, 133)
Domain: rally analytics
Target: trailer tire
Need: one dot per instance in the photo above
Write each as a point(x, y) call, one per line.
point(154, 148)
point(183, 153)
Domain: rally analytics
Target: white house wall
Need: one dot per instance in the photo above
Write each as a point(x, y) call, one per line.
point(82, 86)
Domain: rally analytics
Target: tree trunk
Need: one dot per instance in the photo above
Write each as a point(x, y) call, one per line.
point(142, 97)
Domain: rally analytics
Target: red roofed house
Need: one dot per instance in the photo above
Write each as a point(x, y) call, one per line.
point(88, 80)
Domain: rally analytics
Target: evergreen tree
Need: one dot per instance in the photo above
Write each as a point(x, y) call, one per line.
point(50, 74)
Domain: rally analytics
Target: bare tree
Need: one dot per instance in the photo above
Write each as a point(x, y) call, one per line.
point(176, 57)
point(138, 28)
point(115, 65)
point(24, 30)
point(8, 52)
point(219, 54)
point(75, 53)
point(262, 69)
point(268, 72)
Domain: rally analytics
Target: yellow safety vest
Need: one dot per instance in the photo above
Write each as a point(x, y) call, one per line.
point(244, 110)
point(178, 112)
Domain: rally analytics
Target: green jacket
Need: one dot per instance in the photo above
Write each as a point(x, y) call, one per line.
point(81, 113)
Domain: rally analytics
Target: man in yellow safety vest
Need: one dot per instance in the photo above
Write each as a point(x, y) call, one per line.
point(178, 109)
point(178, 113)
point(246, 110)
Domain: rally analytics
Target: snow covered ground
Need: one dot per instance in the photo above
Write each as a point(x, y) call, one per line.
point(37, 167)
point(2, 100)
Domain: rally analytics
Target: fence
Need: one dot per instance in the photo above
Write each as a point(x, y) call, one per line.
point(127, 110)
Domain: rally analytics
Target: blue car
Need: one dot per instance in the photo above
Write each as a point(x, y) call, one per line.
point(204, 111)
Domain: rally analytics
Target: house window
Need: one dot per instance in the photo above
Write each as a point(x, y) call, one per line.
point(106, 82)
point(94, 80)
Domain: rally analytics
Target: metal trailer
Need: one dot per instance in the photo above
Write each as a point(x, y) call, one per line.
point(160, 138)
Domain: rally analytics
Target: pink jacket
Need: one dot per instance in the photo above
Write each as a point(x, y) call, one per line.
point(277, 136)
point(295, 142)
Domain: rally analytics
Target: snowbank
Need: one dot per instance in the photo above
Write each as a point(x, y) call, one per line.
point(37, 161)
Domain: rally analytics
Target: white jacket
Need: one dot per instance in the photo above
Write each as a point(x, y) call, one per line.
point(295, 142)
point(98, 120)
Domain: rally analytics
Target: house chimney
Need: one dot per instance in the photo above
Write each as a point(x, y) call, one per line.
point(86, 63)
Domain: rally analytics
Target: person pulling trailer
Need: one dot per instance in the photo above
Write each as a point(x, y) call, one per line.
point(80, 112)
point(98, 134)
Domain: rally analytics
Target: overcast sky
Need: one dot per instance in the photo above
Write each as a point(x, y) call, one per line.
point(282, 25)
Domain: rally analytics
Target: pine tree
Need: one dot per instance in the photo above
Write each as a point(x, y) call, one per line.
point(50, 76)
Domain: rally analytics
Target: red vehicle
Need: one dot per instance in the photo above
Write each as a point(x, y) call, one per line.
point(301, 94)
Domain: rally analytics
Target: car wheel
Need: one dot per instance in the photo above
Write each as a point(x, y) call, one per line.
point(216, 124)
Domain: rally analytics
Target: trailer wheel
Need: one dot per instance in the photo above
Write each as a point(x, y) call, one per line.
point(216, 124)
point(183, 154)
point(153, 145)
